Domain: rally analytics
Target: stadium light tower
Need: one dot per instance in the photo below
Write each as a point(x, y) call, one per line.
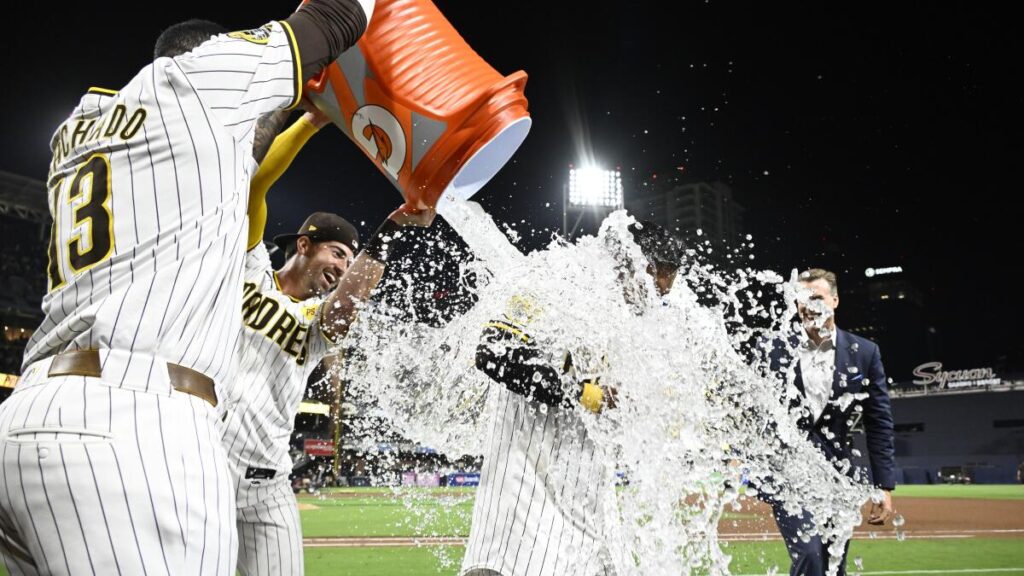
point(590, 190)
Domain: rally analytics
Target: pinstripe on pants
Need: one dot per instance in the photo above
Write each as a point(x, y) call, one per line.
point(101, 479)
point(270, 534)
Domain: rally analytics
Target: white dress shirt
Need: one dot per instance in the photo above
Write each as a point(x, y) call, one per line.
point(817, 366)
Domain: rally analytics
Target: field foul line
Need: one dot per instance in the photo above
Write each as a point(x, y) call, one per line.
point(909, 535)
point(960, 571)
point(771, 537)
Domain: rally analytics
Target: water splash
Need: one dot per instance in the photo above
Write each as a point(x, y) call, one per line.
point(695, 420)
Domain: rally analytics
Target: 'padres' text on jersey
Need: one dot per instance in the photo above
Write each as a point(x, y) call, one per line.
point(280, 346)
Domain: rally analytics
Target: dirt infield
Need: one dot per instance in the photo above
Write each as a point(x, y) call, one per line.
point(931, 518)
point(993, 518)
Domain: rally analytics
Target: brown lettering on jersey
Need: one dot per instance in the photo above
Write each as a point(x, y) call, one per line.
point(81, 129)
point(268, 309)
point(297, 345)
point(251, 300)
point(284, 325)
point(134, 123)
point(259, 312)
point(114, 123)
point(65, 145)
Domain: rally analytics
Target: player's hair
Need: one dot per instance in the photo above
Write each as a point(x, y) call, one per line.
point(184, 37)
point(293, 247)
point(659, 246)
point(821, 274)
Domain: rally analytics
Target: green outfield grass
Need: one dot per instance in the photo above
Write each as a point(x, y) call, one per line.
point(374, 491)
point(382, 516)
point(379, 512)
point(380, 561)
point(956, 556)
point(369, 512)
point(935, 556)
point(376, 513)
point(981, 491)
point(962, 557)
point(368, 515)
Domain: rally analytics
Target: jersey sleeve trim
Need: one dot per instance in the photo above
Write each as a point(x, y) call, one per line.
point(296, 61)
point(508, 327)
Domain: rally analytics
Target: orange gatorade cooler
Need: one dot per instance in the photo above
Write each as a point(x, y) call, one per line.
point(434, 117)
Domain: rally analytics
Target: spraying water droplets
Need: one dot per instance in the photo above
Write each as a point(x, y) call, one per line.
point(683, 392)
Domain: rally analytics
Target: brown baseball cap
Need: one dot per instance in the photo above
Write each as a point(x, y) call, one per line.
point(323, 227)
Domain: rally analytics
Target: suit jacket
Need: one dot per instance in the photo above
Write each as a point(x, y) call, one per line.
point(860, 360)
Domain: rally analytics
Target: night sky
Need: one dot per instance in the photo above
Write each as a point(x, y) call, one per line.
point(854, 137)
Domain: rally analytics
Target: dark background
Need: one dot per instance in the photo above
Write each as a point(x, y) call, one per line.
point(854, 137)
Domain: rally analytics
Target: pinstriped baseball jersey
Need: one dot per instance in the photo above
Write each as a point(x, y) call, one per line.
point(148, 192)
point(543, 486)
point(280, 346)
point(538, 506)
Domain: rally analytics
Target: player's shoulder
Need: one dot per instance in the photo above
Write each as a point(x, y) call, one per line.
point(258, 267)
point(93, 101)
point(100, 93)
point(79, 132)
point(860, 342)
point(258, 253)
point(240, 44)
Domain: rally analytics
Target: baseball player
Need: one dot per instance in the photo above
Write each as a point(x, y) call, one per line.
point(110, 446)
point(291, 318)
point(544, 479)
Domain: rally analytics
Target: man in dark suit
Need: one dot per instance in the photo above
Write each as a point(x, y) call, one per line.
point(837, 375)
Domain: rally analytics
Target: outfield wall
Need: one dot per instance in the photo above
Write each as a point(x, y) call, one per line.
point(983, 432)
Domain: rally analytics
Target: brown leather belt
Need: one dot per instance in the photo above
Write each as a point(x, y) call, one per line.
point(87, 363)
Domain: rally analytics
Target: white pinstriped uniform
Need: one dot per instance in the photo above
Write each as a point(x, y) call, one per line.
point(537, 506)
point(280, 346)
point(542, 487)
point(149, 186)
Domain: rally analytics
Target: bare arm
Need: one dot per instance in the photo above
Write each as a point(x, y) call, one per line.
point(267, 128)
point(354, 288)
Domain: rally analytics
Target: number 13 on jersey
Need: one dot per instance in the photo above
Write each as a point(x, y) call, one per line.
point(82, 235)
